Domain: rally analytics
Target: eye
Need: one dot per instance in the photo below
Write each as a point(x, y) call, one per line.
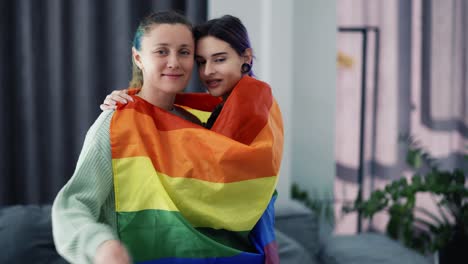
point(185, 52)
point(200, 62)
point(161, 52)
point(219, 59)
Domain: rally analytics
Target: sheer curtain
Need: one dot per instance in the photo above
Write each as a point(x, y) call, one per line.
point(422, 91)
point(58, 61)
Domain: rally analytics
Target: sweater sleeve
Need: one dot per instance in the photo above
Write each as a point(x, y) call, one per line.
point(76, 230)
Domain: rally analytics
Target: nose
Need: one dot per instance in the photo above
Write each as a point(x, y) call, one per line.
point(208, 69)
point(173, 61)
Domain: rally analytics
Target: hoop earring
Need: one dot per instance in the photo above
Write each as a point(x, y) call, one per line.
point(245, 68)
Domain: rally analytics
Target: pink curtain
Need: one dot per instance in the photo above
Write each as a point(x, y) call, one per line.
point(422, 91)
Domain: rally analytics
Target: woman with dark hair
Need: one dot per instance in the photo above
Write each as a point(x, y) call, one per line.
point(223, 56)
point(154, 184)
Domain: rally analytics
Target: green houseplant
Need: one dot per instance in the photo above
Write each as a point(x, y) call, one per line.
point(445, 232)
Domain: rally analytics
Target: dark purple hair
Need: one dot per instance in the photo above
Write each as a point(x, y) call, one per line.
point(226, 28)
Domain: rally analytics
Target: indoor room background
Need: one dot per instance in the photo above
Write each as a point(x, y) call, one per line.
point(60, 59)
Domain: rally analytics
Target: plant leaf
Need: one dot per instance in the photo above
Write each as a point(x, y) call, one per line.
point(413, 158)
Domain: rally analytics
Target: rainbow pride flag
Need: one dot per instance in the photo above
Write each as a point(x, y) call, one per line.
point(186, 194)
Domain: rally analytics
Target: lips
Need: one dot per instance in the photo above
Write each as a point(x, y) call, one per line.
point(172, 75)
point(213, 83)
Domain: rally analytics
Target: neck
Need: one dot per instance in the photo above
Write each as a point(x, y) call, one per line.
point(158, 98)
point(225, 96)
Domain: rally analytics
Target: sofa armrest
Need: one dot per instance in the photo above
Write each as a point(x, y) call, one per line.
point(26, 233)
point(299, 223)
point(367, 248)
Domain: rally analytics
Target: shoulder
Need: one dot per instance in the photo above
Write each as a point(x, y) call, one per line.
point(98, 133)
point(254, 81)
point(102, 122)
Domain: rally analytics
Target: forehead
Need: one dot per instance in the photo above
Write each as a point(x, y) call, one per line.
point(209, 45)
point(168, 34)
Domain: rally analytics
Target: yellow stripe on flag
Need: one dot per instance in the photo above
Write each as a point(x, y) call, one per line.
point(141, 187)
point(201, 115)
point(234, 206)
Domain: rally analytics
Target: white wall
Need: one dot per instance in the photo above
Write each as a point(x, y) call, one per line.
point(294, 44)
point(314, 94)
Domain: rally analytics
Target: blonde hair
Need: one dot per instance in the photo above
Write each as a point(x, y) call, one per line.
point(137, 77)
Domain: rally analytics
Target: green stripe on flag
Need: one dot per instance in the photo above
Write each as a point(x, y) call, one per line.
point(237, 240)
point(155, 234)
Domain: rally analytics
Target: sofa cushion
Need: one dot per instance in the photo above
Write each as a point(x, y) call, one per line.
point(367, 248)
point(299, 223)
point(26, 235)
point(291, 252)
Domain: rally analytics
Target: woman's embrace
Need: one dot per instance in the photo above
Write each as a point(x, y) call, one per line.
point(178, 178)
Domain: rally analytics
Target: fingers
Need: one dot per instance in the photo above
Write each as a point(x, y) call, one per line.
point(122, 94)
point(113, 99)
point(118, 96)
point(105, 107)
point(110, 102)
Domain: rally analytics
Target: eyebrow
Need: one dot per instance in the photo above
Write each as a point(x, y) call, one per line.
point(213, 55)
point(219, 53)
point(167, 44)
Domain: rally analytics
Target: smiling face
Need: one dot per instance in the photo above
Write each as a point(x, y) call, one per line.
point(166, 57)
point(219, 65)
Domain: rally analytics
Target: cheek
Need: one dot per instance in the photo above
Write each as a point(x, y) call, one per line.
point(235, 72)
point(151, 64)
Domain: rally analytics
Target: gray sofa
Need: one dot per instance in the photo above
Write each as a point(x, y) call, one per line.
point(301, 226)
point(26, 237)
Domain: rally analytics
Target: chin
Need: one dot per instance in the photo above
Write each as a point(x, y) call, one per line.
point(215, 92)
point(177, 88)
point(174, 89)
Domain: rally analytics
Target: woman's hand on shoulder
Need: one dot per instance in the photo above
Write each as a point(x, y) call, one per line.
point(121, 96)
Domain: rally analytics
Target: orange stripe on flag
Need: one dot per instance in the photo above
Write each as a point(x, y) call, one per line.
point(219, 159)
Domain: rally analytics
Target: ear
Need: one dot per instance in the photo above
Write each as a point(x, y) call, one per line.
point(137, 58)
point(248, 55)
